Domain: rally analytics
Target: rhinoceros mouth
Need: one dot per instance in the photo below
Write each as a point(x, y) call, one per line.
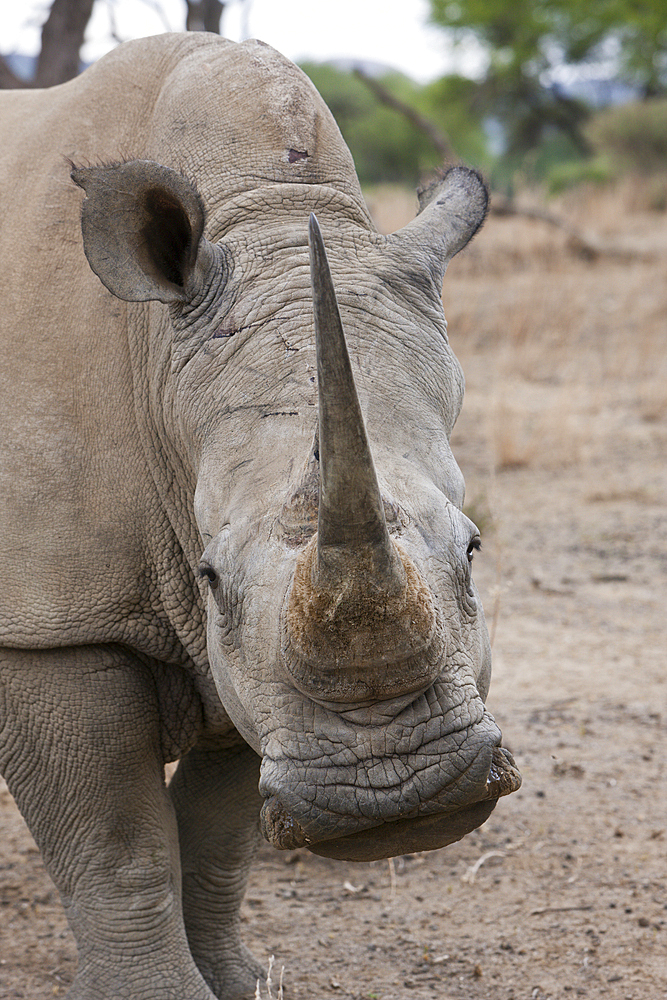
point(406, 836)
point(432, 826)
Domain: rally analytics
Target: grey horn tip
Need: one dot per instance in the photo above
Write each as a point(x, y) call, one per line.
point(318, 254)
point(314, 231)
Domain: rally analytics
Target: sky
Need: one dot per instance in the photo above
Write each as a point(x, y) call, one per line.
point(391, 32)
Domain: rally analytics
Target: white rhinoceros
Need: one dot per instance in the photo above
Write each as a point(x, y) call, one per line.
point(321, 669)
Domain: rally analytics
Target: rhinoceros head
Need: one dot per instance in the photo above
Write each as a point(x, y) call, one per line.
point(344, 632)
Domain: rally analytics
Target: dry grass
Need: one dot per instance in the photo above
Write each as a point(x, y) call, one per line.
point(391, 206)
point(571, 353)
point(270, 995)
point(564, 357)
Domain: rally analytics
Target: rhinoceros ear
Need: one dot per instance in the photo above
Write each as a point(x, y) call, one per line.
point(142, 227)
point(451, 210)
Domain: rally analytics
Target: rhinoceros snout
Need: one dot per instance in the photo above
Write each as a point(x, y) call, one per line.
point(395, 829)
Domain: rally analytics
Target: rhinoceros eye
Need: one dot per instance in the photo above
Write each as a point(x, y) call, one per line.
point(474, 545)
point(206, 571)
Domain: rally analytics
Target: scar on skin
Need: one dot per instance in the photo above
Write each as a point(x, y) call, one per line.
point(296, 154)
point(224, 331)
point(288, 347)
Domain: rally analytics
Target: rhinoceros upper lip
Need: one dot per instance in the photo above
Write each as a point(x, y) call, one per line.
point(327, 775)
point(504, 777)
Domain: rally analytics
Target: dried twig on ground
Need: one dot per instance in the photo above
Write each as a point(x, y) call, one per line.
point(584, 245)
point(471, 872)
point(559, 909)
point(269, 983)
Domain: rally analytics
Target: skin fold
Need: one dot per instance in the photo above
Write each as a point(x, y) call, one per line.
point(232, 531)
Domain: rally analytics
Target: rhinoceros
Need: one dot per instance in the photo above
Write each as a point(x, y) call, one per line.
point(232, 529)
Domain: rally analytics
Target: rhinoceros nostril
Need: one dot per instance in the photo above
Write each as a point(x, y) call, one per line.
point(504, 777)
point(280, 828)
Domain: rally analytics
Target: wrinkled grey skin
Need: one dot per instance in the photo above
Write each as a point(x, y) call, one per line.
point(171, 589)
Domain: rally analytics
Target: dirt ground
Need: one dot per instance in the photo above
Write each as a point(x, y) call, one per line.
point(563, 892)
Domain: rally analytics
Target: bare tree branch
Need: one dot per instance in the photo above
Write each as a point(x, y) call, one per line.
point(437, 137)
point(588, 246)
point(157, 9)
point(63, 35)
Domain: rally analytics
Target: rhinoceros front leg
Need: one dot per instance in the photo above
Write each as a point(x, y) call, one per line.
point(217, 805)
point(80, 747)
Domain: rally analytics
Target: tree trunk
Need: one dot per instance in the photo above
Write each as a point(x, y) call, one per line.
point(8, 79)
point(62, 38)
point(204, 15)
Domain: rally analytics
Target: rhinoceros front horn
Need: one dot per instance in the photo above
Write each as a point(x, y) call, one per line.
point(351, 512)
point(360, 620)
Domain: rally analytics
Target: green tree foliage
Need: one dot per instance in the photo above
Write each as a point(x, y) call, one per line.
point(633, 135)
point(521, 47)
point(526, 39)
point(451, 103)
point(530, 36)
